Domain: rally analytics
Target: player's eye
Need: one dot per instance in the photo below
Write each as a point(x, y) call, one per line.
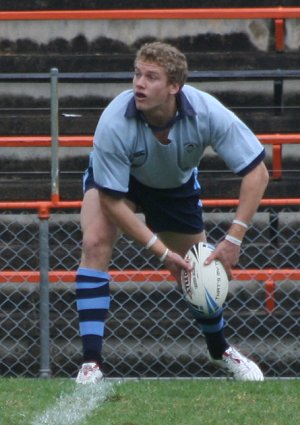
point(152, 77)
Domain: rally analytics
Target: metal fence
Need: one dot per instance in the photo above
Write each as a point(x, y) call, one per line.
point(149, 330)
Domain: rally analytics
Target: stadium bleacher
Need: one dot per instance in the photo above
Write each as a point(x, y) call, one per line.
point(216, 49)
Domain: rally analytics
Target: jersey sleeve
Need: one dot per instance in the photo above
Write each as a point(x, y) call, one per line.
point(236, 144)
point(239, 147)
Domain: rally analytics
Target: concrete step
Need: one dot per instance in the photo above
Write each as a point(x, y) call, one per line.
point(80, 120)
point(216, 58)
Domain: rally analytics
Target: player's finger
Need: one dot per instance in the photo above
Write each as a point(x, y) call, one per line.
point(229, 272)
point(210, 258)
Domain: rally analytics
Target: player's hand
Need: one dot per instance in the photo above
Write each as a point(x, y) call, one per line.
point(175, 264)
point(226, 252)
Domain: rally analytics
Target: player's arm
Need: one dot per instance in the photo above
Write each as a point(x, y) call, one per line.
point(252, 189)
point(253, 186)
point(121, 214)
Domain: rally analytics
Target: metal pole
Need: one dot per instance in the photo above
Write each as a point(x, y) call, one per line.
point(278, 96)
point(45, 371)
point(54, 136)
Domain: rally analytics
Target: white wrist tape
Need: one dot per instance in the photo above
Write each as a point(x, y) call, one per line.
point(164, 256)
point(241, 223)
point(151, 242)
point(233, 240)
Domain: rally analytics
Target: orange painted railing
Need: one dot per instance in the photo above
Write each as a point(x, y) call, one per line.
point(277, 14)
point(277, 140)
point(269, 277)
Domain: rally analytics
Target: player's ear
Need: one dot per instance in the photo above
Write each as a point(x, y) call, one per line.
point(174, 88)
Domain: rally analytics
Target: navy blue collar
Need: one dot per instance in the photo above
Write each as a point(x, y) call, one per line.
point(183, 105)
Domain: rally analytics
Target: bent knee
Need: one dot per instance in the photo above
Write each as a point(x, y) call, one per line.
point(97, 246)
point(93, 241)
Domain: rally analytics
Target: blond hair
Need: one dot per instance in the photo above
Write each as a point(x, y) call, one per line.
point(168, 57)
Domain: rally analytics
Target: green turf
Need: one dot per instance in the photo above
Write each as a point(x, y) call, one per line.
point(175, 402)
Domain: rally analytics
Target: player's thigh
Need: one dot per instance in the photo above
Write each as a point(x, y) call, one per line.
point(92, 217)
point(92, 214)
point(181, 242)
point(99, 233)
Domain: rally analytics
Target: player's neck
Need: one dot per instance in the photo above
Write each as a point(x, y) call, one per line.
point(162, 118)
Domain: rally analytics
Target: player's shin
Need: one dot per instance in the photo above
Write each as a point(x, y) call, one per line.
point(212, 327)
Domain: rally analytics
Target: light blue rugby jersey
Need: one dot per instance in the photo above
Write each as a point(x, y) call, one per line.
point(124, 144)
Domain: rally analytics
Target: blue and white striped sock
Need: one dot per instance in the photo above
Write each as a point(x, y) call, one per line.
point(93, 301)
point(212, 327)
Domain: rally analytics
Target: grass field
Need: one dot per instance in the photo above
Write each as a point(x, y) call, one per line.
point(165, 402)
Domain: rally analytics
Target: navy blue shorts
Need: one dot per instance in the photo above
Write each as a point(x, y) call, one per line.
point(174, 210)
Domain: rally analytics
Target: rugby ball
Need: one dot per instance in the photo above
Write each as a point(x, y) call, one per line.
point(205, 287)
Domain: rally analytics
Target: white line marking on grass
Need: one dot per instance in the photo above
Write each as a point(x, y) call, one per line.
point(73, 408)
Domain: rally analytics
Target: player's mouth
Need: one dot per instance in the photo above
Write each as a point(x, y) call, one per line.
point(139, 95)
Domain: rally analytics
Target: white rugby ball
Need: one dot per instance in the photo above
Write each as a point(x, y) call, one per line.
point(205, 287)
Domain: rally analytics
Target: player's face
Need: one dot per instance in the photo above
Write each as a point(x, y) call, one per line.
point(151, 88)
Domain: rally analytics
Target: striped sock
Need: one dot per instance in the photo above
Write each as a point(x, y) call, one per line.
point(213, 329)
point(93, 301)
